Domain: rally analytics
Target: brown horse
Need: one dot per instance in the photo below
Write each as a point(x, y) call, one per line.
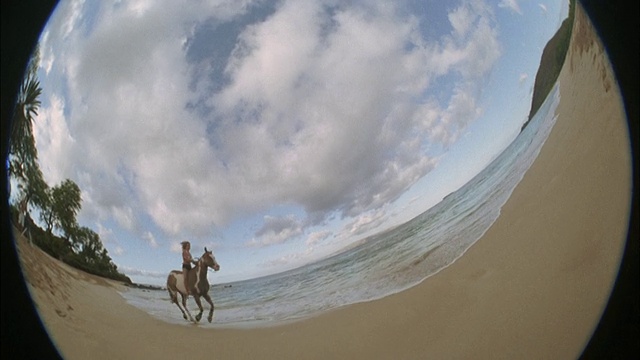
point(197, 282)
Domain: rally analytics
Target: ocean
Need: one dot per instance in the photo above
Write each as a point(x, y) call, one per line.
point(380, 265)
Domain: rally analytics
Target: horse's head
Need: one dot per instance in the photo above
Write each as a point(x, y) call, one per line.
point(209, 260)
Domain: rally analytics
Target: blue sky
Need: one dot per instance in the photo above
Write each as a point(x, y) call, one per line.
point(276, 133)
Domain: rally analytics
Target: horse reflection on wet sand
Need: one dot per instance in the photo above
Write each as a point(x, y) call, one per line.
point(198, 285)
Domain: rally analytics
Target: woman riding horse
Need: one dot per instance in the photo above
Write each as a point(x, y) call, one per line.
point(196, 284)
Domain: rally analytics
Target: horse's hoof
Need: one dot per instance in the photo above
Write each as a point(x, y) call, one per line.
point(210, 318)
point(198, 317)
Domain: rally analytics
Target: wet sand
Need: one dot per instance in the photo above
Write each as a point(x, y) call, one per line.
point(533, 287)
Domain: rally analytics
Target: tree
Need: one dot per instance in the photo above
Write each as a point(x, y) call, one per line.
point(86, 243)
point(23, 144)
point(90, 255)
point(34, 190)
point(47, 214)
point(61, 207)
point(23, 154)
point(67, 202)
point(106, 265)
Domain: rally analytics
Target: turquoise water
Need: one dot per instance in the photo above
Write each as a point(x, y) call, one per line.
point(381, 265)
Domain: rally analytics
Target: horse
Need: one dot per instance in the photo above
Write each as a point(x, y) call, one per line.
point(197, 282)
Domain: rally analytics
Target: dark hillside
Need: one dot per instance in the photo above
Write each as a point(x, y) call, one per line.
point(551, 63)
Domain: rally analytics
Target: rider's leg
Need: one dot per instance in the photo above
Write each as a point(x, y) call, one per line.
point(185, 277)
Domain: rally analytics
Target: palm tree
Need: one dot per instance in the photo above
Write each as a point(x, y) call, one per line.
point(23, 154)
point(23, 146)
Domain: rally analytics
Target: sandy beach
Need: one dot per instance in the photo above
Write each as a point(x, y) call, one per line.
point(534, 287)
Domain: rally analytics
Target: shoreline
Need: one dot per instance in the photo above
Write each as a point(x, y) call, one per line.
point(534, 286)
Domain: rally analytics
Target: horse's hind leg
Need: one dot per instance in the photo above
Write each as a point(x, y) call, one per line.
point(174, 299)
point(208, 298)
point(184, 305)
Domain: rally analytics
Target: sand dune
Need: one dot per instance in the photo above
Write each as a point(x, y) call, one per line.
point(533, 287)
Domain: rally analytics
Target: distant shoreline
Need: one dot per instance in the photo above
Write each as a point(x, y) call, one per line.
point(145, 286)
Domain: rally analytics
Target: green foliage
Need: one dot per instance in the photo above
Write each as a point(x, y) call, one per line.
point(55, 246)
point(85, 241)
point(82, 247)
point(23, 155)
point(85, 252)
point(23, 146)
point(58, 206)
point(62, 206)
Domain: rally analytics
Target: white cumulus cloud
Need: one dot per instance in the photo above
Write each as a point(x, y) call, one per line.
point(329, 107)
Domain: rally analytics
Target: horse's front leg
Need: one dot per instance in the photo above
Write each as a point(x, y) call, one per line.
point(197, 298)
point(208, 298)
